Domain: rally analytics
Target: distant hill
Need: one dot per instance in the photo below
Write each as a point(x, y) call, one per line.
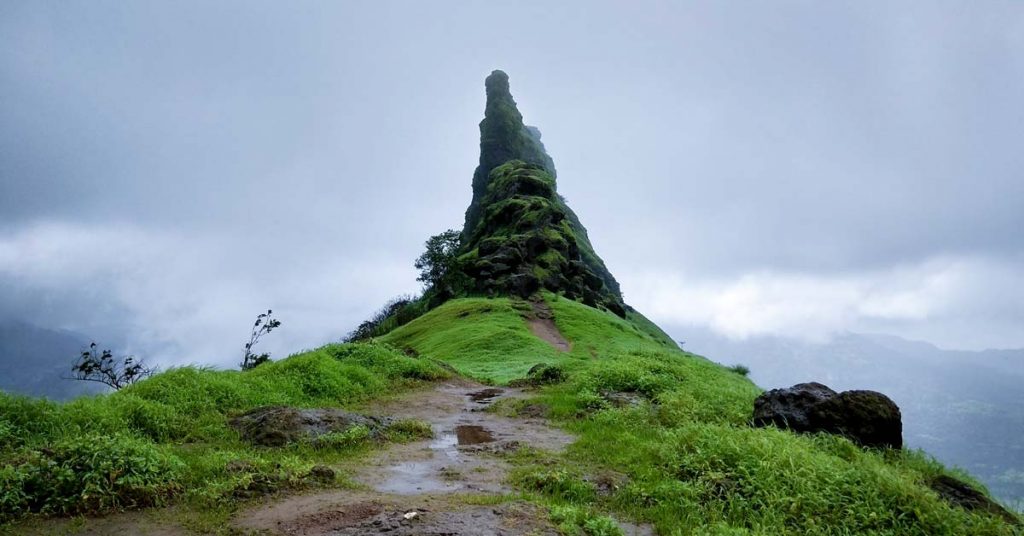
point(33, 361)
point(963, 407)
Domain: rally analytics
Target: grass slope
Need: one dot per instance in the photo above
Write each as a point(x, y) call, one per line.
point(682, 457)
point(482, 338)
point(166, 439)
point(662, 435)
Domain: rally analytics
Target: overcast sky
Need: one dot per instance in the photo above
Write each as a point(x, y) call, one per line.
point(170, 169)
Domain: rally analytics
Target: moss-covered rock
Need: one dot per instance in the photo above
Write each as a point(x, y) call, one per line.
point(520, 236)
point(525, 242)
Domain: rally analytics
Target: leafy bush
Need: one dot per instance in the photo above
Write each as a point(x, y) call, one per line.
point(113, 451)
point(407, 430)
point(575, 521)
point(558, 483)
point(353, 436)
point(89, 474)
point(101, 367)
point(265, 323)
point(396, 312)
point(742, 370)
point(386, 361)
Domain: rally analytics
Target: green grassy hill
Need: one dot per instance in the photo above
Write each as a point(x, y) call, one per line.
point(662, 434)
point(687, 458)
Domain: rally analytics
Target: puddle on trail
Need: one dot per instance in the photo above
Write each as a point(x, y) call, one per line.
point(443, 455)
point(415, 477)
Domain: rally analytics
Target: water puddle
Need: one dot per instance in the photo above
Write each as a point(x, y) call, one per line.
point(415, 477)
point(427, 476)
point(446, 443)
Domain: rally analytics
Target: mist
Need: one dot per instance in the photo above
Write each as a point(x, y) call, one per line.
point(801, 170)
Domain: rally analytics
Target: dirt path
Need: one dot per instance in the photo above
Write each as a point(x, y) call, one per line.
point(542, 325)
point(450, 485)
point(427, 487)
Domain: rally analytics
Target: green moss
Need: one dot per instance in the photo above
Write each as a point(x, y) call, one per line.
point(514, 194)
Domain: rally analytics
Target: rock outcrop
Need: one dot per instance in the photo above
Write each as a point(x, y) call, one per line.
point(520, 236)
point(967, 497)
point(277, 426)
point(790, 407)
point(867, 418)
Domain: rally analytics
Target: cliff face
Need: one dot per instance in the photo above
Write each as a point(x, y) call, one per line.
point(519, 235)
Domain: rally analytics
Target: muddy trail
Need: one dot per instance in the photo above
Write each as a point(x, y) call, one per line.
point(433, 487)
point(430, 487)
point(542, 324)
point(420, 487)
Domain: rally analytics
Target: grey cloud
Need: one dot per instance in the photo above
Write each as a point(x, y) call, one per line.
point(289, 149)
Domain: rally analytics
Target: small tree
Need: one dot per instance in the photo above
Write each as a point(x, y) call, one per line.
point(264, 324)
point(439, 263)
point(95, 366)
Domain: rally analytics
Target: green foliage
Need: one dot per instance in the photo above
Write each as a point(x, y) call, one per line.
point(576, 521)
point(689, 461)
point(742, 370)
point(265, 323)
point(561, 484)
point(526, 240)
point(406, 430)
point(485, 339)
point(439, 265)
point(350, 437)
point(520, 235)
point(503, 137)
point(101, 367)
point(87, 474)
point(396, 312)
point(167, 436)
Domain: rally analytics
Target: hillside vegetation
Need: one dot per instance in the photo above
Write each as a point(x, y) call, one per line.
point(167, 439)
point(659, 436)
point(662, 434)
point(680, 451)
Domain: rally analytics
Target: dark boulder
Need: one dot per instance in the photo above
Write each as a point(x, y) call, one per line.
point(967, 497)
point(322, 474)
point(867, 418)
point(276, 426)
point(790, 407)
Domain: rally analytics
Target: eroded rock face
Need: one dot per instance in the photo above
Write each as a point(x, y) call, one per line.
point(967, 497)
point(790, 407)
point(520, 236)
point(867, 418)
point(276, 426)
point(525, 241)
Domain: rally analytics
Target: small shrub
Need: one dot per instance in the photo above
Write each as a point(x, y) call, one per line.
point(576, 521)
point(351, 437)
point(742, 370)
point(90, 474)
point(560, 484)
point(265, 323)
point(101, 367)
point(407, 430)
point(544, 374)
point(396, 312)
